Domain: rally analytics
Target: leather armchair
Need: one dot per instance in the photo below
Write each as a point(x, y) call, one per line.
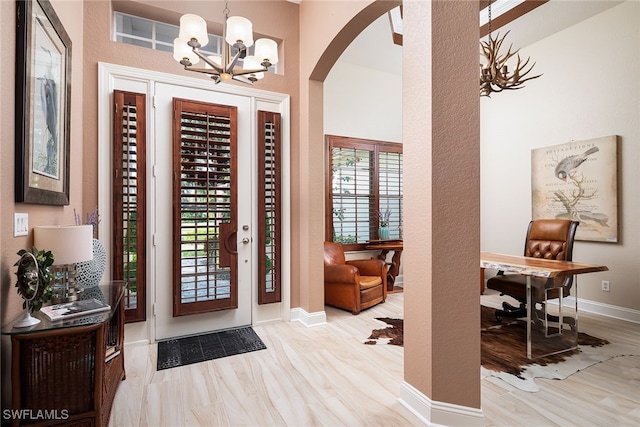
point(546, 238)
point(352, 285)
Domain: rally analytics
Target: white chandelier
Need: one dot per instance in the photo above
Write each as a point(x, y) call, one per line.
point(237, 37)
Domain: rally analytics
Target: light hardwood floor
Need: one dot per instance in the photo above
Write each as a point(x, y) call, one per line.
point(326, 376)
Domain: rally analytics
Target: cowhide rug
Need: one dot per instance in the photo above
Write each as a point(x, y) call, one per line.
point(503, 351)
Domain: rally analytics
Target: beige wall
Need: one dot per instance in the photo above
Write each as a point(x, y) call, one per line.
point(442, 360)
point(580, 96)
point(277, 19)
point(70, 14)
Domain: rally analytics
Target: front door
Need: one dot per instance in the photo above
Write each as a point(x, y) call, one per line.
point(203, 211)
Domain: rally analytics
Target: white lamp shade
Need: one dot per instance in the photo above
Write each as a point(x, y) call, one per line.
point(252, 63)
point(69, 244)
point(193, 27)
point(182, 50)
point(239, 29)
point(266, 49)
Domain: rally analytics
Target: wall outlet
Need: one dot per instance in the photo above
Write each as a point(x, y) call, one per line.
point(605, 286)
point(20, 224)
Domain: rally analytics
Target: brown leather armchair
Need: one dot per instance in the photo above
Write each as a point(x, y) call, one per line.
point(546, 238)
point(352, 285)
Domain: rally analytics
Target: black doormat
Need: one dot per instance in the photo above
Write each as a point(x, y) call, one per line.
point(188, 350)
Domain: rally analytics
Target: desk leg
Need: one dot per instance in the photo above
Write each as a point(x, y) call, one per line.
point(529, 309)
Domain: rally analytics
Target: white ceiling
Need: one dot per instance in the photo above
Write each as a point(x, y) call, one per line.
point(374, 45)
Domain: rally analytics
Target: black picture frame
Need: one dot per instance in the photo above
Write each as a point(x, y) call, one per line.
point(43, 105)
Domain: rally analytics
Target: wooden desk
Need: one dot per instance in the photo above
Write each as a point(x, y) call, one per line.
point(537, 267)
point(384, 246)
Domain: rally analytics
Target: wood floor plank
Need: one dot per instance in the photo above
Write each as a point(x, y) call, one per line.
point(327, 376)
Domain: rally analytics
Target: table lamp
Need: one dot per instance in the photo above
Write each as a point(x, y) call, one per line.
point(69, 245)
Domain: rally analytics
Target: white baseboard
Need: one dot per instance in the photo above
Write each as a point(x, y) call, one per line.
point(434, 413)
point(299, 314)
point(607, 310)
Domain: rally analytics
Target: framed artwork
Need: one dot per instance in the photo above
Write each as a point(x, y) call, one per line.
point(43, 89)
point(578, 181)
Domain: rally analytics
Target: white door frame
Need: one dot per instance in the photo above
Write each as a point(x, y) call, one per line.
point(117, 77)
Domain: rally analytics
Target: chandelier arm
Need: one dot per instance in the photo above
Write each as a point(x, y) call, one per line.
point(245, 72)
point(210, 62)
point(230, 64)
point(242, 79)
point(203, 71)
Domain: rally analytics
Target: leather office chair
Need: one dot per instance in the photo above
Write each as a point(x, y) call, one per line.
point(352, 285)
point(549, 239)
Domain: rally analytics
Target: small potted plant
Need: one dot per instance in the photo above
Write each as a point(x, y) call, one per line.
point(33, 282)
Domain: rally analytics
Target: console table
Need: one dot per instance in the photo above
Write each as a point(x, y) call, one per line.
point(384, 246)
point(67, 372)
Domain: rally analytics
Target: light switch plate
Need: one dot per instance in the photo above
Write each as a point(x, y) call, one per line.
point(20, 224)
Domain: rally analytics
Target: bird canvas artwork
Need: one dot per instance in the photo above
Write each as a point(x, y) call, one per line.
point(578, 181)
point(568, 166)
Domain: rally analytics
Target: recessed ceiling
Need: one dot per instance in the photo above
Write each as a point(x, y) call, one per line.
point(374, 48)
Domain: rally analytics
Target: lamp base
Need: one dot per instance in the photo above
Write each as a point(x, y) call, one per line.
point(64, 285)
point(26, 321)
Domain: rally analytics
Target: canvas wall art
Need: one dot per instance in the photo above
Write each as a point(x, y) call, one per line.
point(578, 181)
point(43, 89)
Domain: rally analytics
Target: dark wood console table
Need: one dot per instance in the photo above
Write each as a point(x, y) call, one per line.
point(67, 372)
point(384, 246)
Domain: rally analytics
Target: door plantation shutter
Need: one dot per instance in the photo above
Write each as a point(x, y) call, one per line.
point(205, 202)
point(129, 206)
point(269, 199)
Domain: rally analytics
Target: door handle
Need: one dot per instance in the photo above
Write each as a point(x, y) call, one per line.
point(245, 240)
point(228, 248)
point(227, 243)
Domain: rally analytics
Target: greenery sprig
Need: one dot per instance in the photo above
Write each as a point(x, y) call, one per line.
point(34, 281)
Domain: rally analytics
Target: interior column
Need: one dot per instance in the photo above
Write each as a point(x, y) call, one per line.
point(442, 196)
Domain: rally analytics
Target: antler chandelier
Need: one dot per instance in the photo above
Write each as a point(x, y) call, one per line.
point(494, 74)
point(237, 37)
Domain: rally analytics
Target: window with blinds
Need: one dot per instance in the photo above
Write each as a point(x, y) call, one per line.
point(390, 190)
point(364, 178)
point(269, 199)
point(204, 207)
point(129, 207)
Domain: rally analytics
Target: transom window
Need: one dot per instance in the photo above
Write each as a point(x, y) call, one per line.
point(364, 185)
point(157, 35)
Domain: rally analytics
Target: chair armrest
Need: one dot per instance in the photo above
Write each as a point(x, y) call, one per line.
point(370, 267)
point(345, 274)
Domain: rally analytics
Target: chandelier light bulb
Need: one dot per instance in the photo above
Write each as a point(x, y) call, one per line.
point(193, 27)
point(182, 50)
point(266, 50)
point(239, 32)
